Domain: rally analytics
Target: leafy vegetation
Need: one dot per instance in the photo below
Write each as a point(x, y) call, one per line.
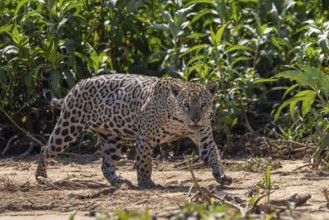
point(240, 44)
point(313, 96)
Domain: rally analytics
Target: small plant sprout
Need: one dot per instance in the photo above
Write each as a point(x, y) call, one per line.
point(268, 183)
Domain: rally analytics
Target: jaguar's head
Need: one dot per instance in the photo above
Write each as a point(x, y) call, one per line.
point(194, 103)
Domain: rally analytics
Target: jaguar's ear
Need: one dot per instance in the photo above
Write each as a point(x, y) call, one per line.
point(175, 89)
point(213, 87)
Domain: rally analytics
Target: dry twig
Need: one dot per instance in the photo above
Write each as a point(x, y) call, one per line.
point(196, 165)
point(8, 144)
point(200, 192)
point(305, 165)
point(297, 199)
point(326, 194)
point(27, 133)
point(48, 182)
point(186, 161)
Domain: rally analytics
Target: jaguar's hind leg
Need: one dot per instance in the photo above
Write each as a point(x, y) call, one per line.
point(110, 146)
point(61, 137)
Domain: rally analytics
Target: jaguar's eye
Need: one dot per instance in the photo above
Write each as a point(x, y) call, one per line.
point(186, 105)
point(203, 105)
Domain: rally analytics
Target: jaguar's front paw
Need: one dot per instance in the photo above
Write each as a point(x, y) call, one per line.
point(223, 179)
point(40, 175)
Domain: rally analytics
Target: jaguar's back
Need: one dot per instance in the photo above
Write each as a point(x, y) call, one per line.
point(109, 102)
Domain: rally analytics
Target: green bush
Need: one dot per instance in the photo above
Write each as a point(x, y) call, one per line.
point(313, 106)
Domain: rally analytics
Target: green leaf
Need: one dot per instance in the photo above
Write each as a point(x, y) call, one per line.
point(36, 70)
point(72, 215)
point(76, 5)
point(83, 57)
point(252, 201)
point(15, 35)
point(200, 1)
point(35, 15)
point(95, 60)
point(54, 80)
point(195, 35)
point(21, 4)
point(268, 178)
point(324, 42)
point(80, 17)
point(52, 57)
point(289, 4)
point(203, 12)
point(70, 79)
point(143, 20)
point(263, 80)
point(249, 1)
point(237, 47)
point(182, 11)
point(275, 42)
point(291, 88)
point(68, 44)
point(274, 12)
point(219, 34)
point(196, 58)
point(240, 59)
point(62, 23)
point(307, 98)
point(156, 56)
point(28, 81)
point(307, 101)
point(196, 48)
point(163, 27)
point(9, 50)
point(167, 16)
point(5, 28)
point(309, 76)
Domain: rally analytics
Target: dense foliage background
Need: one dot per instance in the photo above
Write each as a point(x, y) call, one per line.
point(242, 44)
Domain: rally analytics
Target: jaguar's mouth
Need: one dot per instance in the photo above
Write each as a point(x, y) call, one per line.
point(195, 127)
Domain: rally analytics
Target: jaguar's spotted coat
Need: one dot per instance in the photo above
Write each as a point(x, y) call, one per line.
point(151, 109)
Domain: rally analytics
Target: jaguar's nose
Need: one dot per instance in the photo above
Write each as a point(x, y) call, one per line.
point(196, 119)
point(195, 114)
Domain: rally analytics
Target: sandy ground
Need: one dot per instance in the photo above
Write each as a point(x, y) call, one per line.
point(79, 185)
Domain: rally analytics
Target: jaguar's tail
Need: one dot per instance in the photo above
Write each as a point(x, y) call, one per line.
point(57, 103)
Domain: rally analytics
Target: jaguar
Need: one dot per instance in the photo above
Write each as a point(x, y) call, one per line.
point(152, 110)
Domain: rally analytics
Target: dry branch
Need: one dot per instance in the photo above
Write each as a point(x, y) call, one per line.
point(297, 199)
point(196, 165)
point(48, 182)
point(187, 161)
point(305, 165)
point(27, 133)
point(200, 194)
point(8, 144)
